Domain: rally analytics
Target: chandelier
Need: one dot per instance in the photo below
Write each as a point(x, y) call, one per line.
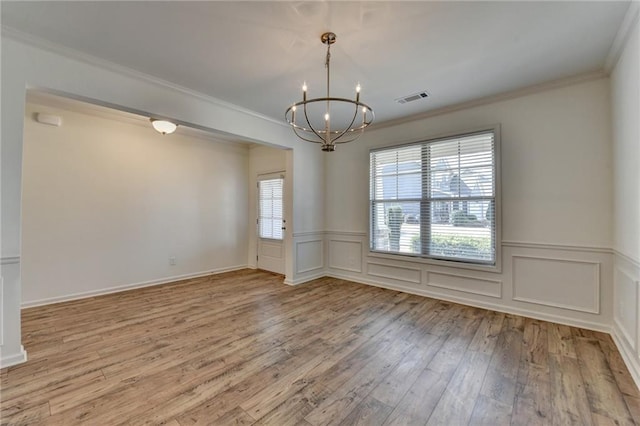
point(313, 120)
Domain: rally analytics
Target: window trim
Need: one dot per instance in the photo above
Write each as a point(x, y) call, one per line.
point(495, 268)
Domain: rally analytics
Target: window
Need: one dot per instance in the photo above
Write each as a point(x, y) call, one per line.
point(270, 206)
point(436, 199)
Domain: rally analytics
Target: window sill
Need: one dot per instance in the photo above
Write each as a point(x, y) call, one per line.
point(404, 257)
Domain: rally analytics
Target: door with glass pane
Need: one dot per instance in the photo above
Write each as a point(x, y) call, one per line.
point(271, 224)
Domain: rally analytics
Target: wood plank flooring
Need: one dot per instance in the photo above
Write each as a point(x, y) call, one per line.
point(242, 348)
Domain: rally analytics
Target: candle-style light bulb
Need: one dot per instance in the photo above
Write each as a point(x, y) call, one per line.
point(358, 88)
point(326, 116)
point(304, 86)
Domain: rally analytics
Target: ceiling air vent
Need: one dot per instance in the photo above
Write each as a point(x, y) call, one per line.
point(411, 98)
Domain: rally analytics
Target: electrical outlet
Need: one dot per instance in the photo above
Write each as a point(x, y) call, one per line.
point(172, 260)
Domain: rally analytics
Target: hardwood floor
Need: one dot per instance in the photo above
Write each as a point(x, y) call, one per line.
point(242, 348)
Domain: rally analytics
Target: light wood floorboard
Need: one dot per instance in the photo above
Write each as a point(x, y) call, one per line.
point(242, 348)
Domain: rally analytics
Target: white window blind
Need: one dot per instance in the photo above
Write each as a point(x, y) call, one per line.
point(436, 199)
point(270, 205)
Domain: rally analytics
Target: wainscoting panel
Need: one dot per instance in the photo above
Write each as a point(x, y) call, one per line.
point(561, 283)
point(466, 284)
point(11, 351)
point(564, 283)
point(392, 272)
point(626, 311)
point(345, 255)
point(309, 255)
point(626, 305)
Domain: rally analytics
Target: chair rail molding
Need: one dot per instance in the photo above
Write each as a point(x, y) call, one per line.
point(9, 260)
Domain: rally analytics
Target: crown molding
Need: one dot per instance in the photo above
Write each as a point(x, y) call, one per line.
point(624, 32)
point(614, 53)
point(51, 101)
point(513, 94)
point(37, 42)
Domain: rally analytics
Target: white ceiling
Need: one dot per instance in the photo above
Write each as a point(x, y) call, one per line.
point(257, 54)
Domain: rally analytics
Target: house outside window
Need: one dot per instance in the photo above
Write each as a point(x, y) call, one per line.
point(437, 198)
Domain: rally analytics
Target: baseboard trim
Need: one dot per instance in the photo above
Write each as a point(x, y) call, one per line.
point(12, 360)
point(305, 279)
point(483, 305)
point(110, 290)
point(629, 358)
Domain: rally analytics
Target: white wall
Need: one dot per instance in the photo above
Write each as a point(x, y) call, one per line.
point(625, 90)
point(556, 209)
point(556, 165)
point(262, 160)
point(626, 138)
point(30, 63)
point(308, 191)
point(105, 204)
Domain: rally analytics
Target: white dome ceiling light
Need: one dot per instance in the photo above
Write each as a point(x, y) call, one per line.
point(164, 126)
